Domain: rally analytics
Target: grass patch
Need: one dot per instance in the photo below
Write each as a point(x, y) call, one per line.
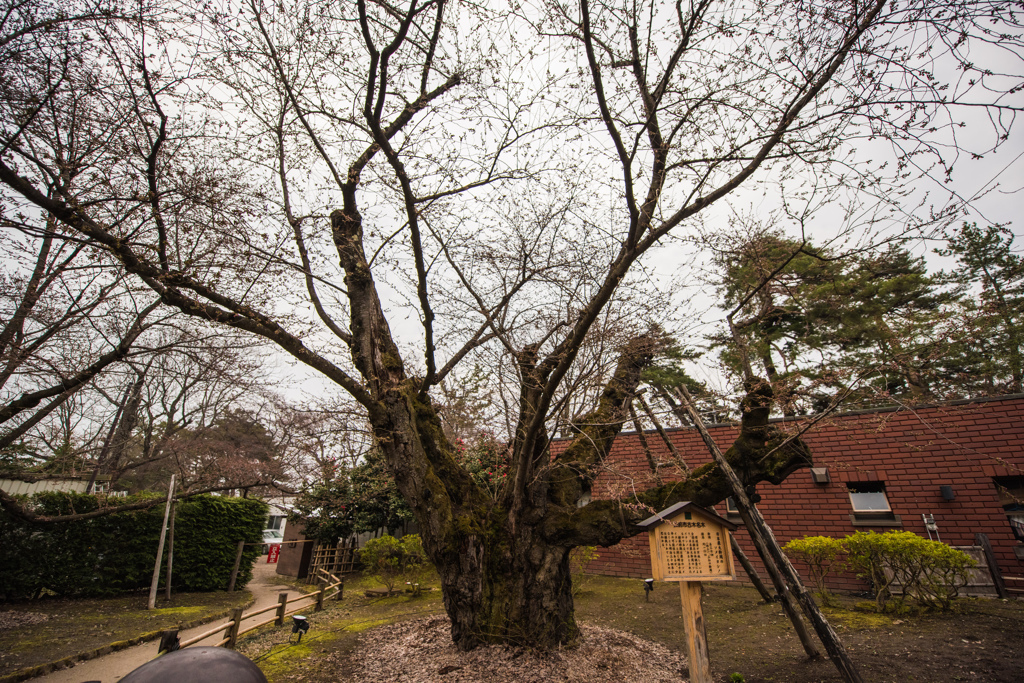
point(274, 648)
point(856, 619)
point(75, 626)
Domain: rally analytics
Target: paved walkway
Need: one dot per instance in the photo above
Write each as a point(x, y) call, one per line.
point(112, 667)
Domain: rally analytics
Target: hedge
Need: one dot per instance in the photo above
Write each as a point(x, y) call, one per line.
point(115, 553)
point(930, 572)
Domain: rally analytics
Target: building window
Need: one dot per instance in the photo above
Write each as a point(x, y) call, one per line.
point(870, 505)
point(1011, 497)
point(868, 497)
point(275, 522)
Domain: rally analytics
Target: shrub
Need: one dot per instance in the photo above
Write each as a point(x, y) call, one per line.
point(389, 559)
point(929, 571)
point(867, 554)
point(116, 553)
point(579, 558)
point(820, 553)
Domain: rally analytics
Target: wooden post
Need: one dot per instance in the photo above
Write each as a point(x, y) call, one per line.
point(170, 554)
point(282, 603)
point(320, 599)
point(341, 589)
point(236, 622)
point(771, 552)
point(737, 552)
point(234, 570)
point(696, 634)
point(993, 568)
point(160, 547)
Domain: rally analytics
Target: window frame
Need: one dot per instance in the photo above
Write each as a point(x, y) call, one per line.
point(1010, 492)
point(873, 516)
point(852, 493)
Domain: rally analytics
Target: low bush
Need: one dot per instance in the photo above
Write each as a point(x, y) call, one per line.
point(929, 572)
point(821, 554)
point(389, 560)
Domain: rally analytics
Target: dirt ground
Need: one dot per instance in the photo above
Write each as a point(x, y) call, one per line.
point(983, 641)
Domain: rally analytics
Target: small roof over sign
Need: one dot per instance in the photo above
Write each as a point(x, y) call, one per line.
point(686, 506)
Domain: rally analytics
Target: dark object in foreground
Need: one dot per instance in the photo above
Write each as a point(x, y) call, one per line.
point(198, 665)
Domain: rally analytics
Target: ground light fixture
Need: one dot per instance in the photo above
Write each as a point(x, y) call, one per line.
point(300, 625)
point(648, 587)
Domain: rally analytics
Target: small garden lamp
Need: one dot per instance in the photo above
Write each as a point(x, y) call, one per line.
point(300, 625)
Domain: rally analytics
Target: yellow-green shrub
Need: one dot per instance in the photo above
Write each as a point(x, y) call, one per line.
point(821, 554)
point(389, 559)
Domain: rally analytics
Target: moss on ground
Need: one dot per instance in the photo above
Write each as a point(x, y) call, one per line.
point(279, 655)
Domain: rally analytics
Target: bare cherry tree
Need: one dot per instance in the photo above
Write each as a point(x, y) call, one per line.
point(441, 173)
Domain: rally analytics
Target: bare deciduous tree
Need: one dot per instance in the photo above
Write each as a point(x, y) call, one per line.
point(453, 160)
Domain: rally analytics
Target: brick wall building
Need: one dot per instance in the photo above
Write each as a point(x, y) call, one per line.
point(899, 459)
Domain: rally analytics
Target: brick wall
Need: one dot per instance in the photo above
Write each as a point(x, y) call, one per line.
point(913, 451)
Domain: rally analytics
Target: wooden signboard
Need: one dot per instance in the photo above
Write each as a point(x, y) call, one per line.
point(690, 544)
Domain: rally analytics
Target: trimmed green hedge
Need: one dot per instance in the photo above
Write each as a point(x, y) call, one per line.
point(115, 553)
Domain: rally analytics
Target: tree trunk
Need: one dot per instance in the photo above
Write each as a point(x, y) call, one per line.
point(505, 577)
point(509, 588)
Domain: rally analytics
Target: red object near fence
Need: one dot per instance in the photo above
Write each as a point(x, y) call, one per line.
point(274, 553)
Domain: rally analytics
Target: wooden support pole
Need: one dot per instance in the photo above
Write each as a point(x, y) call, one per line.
point(234, 570)
point(236, 622)
point(737, 551)
point(282, 605)
point(643, 439)
point(160, 547)
point(319, 599)
point(664, 436)
point(771, 552)
point(993, 568)
point(696, 634)
point(170, 554)
point(341, 589)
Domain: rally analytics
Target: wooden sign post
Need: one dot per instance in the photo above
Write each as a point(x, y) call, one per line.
point(690, 544)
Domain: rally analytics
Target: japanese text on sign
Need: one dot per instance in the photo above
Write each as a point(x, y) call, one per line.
point(691, 549)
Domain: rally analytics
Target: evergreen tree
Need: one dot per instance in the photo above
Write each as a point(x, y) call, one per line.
point(992, 278)
point(821, 324)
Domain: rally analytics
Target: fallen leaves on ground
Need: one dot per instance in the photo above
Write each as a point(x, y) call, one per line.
point(421, 651)
point(11, 619)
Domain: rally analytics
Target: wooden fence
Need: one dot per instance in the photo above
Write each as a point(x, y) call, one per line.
point(337, 560)
point(329, 582)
